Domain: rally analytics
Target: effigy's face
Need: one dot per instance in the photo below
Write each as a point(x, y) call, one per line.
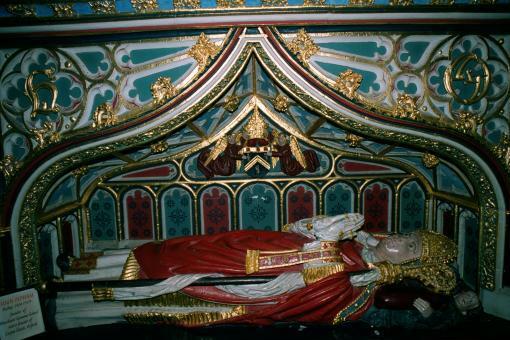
point(399, 248)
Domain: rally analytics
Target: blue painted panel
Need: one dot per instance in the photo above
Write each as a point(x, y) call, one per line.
point(412, 208)
point(258, 208)
point(103, 224)
point(64, 193)
point(177, 213)
point(449, 181)
point(339, 199)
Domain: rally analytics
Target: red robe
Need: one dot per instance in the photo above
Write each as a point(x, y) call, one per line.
point(225, 253)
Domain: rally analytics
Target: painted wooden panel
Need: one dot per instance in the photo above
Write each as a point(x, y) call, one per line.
point(103, 225)
point(411, 208)
point(177, 212)
point(215, 212)
point(377, 207)
point(138, 215)
point(258, 207)
point(301, 202)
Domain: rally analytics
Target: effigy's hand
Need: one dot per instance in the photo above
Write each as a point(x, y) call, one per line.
point(366, 239)
point(423, 307)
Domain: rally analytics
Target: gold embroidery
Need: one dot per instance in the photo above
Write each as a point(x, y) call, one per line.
point(102, 294)
point(184, 319)
point(314, 274)
point(252, 261)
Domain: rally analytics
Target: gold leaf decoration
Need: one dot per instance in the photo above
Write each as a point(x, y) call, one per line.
point(442, 2)
point(186, 4)
point(348, 83)
point(21, 10)
point(401, 2)
point(314, 2)
point(203, 51)
point(46, 135)
point(163, 90)
point(303, 46)
point(9, 166)
point(80, 171)
point(361, 2)
point(274, 3)
point(502, 150)
point(103, 6)
point(229, 3)
point(430, 160)
point(143, 6)
point(104, 116)
point(467, 122)
point(406, 107)
point(63, 10)
point(281, 103)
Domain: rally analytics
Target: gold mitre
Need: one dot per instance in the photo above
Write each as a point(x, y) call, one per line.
point(436, 248)
point(256, 126)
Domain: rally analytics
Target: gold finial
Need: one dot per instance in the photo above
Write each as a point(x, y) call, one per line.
point(256, 126)
point(231, 103)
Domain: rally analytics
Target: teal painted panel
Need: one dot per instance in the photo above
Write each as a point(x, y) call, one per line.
point(367, 49)
point(339, 199)
point(369, 78)
point(94, 61)
point(102, 216)
point(258, 208)
point(414, 51)
point(177, 213)
point(142, 86)
point(144, 55)
point(412, 208)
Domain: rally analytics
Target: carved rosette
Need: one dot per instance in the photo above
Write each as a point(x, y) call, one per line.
point(231, 103)
point(406, 107)
point(104, 116)
point(353, 140)
point(103, 6)
point(203, 51)
point(430, 160)
point(63, 10)
point(159, 147)
point(143, 6)
point(281, 103)
point(348, 83)
point(163, 90)
point(303, 46)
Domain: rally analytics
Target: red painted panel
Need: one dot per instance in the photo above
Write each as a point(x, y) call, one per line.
point(160, 171)
point(138, 205)
point(352, 166)
point(376, 200)
point(300, 204)
point(215, 204)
